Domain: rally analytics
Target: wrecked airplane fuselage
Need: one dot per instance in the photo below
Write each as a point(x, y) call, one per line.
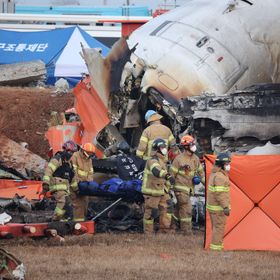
point(210, 46)
point(200, 50)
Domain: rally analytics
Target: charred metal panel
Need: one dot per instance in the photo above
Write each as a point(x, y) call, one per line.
point(106, 73)
point(254, 112)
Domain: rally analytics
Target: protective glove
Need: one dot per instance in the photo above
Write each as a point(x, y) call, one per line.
point(226, 211)
point(46, 187)
point(171, 179)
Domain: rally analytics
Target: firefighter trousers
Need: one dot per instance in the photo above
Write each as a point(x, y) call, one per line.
point(183, 212)
point(152, 205)
point(80, 205)
point(218, 222)
point(61, 198)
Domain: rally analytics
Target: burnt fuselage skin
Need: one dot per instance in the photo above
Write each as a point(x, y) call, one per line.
point(210, 46)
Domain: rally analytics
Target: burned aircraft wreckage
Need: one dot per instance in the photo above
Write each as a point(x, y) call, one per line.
point(208, 67)
point(201, 81)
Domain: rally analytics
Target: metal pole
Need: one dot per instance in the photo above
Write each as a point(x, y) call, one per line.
point(106, 209)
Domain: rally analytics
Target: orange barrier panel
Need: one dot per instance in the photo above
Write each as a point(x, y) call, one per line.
point(57, 135)
point(91, 110)
point(254, 222)
point(29, 189)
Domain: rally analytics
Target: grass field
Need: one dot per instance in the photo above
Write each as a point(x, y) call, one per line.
point(136, 256)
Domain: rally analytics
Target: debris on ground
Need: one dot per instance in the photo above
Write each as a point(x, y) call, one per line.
point(13, 155)
point(61, 87)
point(11, 267)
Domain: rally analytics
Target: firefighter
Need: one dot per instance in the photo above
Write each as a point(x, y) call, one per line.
point(83, 168)
point(154, 188)
point(184, 169)
point(218, 199)
point(58, 176)
point(153, 131)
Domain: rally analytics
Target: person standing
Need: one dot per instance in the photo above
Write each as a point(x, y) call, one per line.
point(57, 178)
point(155, 130)
point(218, 199)
point(184, 168)
point(83, 169)
point(154, 188)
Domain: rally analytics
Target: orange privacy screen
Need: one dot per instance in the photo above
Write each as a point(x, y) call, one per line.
point(254, 222)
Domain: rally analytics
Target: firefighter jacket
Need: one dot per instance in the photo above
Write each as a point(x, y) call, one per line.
point(154, 181)
point(83, 169)
point(184, 167)
point(153, 131)
point(218, 195)
point(58, 174)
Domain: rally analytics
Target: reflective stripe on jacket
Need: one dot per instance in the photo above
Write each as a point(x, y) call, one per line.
point(83, 169)
point(56, 183)
point(218, 196)
point(184, 167)
point(152, 132)
point(154, 185)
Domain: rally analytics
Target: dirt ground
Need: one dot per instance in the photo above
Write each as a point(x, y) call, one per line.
point(25, 112)
point(136, 256)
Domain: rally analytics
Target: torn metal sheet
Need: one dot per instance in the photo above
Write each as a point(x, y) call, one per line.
point(13, 155)
point(254, 112)
point(59, 134)
point(132, 117)
point(22, 73)
point(91, 109)
point(106, 73)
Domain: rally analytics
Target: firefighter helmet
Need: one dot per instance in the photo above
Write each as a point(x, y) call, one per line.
point(148, 114)
point(152, 116)
point(158, 144)
point(187, 140)
point(70, 146)
point(88, 147)
point(223, 158)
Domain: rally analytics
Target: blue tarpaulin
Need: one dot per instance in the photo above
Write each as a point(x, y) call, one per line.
point(59, 49)
point(114, 185)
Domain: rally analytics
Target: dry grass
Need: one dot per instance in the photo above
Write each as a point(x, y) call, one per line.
point(136, 256)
